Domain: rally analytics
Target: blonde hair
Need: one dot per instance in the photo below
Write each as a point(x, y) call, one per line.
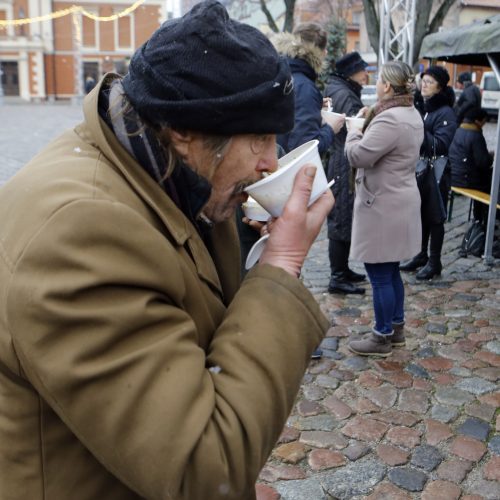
point(399, 75)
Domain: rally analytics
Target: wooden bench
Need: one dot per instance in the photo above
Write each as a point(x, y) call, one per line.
point(473, 194)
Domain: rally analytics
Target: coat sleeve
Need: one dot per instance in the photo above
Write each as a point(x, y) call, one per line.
point(101, 327)
point(482, 159)
point(365, 150)
point(308, 121)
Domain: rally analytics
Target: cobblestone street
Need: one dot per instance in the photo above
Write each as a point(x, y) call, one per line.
point(421, 424)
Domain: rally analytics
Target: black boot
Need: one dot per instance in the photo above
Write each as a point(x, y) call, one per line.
point(413, 264)
point(339, 283)
point(432, 269)
point(354, 276)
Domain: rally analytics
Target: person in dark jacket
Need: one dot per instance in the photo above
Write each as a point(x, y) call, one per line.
point(470, 159)
point(304, 50)
point(439, 128)
point(344, 87)
point(470, 97)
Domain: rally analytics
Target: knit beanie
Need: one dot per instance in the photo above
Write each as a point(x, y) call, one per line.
point(465, 76)
point(350, 64)
point(439, 74)
point(207, 72)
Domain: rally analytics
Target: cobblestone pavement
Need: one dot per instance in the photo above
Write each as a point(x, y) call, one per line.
point(421, 424)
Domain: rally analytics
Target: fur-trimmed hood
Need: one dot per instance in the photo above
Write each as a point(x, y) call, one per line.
point(291, 46)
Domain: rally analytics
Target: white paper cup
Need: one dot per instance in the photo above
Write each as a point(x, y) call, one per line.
point(273, 191)
point(254, 211)
point(354, 123)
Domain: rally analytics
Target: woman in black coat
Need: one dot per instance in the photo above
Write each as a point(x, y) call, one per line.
point(439, 128)
point(344, 87)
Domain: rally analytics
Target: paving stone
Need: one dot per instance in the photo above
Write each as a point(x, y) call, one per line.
point(488, 357)
point(403, 436)
point(475, 428)
point(436, 432)
point(437, 363)
point(369, 379)
point(397, 417)
point(265, 492)
point(365, 429)
point(408, 478)
point(421, 384)
point(472, 497)
point(489, 373)
point(289, 434)
point(459, 371)
point(401, 380)
point(417, 371)
point(492, 399)
point(387, 365)
point(452, 396)
point(482, 411)
point(426, 352)
point(320, 366)
point(392, 455)
point(356, 450)
point(468, 448)
point(356, 363)
point(330, 343)
point(413, 400)
point(384, 396)
point(437, 328)
point(388, 491)
point(491, 469)
point(476, 385)
point(299, 490)
point(426, 457)
point(306, 408)
point(324, 439)
point(454, 470)
point(364, 405)
point(290, 452)
point(494, 445)
point(489, 490)
point(355, 478)
point(444, 379)
point(342, 374)
point(325, 459)
point(441, 490)
point(327, 381)
point(337, 407)
point(444, 413)
point(273, 473)
point(316, 423)
point(493, 346)
point(313, 392)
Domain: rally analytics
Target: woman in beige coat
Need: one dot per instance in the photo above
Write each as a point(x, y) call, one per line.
point(386, 225)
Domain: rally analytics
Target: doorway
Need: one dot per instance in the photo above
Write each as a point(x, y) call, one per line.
point(10, 78)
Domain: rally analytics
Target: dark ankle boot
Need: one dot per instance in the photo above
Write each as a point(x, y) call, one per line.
point(432, 269)
point(339, 283)
point(355, 277)
point(372, 345)
point(398, 337)
point(413, 264)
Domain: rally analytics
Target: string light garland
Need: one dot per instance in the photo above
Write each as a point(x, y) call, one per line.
point(71, 10)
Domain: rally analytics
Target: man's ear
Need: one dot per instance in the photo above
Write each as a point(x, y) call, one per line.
point(181, 140)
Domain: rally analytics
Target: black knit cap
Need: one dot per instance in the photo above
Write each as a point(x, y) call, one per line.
point(439, 74)
point(465, 76)
point(350, 64)
point(207, 72)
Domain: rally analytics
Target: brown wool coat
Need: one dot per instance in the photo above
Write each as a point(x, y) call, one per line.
point(112, 311)
point(386, 224)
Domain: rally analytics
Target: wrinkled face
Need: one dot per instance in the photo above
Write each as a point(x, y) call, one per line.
point(245, 160)
point(430, 86)
point(360, 77)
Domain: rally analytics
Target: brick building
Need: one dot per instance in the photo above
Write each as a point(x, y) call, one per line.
point(50, 58)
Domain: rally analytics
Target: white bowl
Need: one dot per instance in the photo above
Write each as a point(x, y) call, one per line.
point(354, 123)
point(326, 113)
point(273, 191)
point(254, 211)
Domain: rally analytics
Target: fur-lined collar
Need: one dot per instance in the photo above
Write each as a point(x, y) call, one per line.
point(444, 98)
point(291, 46)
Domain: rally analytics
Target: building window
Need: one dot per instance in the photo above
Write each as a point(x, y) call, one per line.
point(356, 18)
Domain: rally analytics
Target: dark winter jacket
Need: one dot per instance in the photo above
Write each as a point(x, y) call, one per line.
point(470, 159)
point(470, 98)
point(440, 123)
point(346, 98)
point(305, 62)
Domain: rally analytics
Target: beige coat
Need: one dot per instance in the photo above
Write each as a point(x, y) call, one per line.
point(112, 313)
point(386, 223)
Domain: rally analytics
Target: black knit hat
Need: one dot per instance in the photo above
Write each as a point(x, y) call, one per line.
point(439, 74)
point(207, 72)
point(465, 76)
point(349, 64)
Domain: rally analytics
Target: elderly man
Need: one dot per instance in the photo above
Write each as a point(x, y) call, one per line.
point(133, 364)
point(470, 98)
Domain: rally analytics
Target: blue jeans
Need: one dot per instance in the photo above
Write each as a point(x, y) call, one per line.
point(388, 295)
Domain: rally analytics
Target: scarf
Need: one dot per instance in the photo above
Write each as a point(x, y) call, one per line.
point(405, 100)
point(188, 190)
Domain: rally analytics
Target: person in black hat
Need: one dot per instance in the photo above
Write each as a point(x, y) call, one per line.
point(343, 87)
point(134, 362)
point(439, 128)
point(470, 97)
